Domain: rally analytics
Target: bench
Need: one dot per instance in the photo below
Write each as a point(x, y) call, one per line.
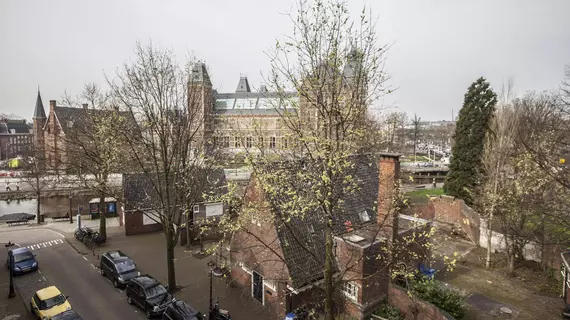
point(14, 222)
point(66, 217)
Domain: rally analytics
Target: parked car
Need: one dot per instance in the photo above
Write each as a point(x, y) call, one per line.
point(67, 315)
point(180, 310)
point(148, 294)
point(118, 267)
point(49, 302)
point(24, 261)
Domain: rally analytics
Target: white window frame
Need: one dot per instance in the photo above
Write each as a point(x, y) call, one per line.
point(272, 142)
point(196, 208)
point(271, 285)
point(350, 290)
point(262, 287)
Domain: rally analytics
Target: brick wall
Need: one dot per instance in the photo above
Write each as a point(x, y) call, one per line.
point(274, 301)
point(134, 224)
point(413, 308)
point(450, 210)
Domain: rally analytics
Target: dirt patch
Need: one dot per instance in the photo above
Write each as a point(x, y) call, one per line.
point(530, 290)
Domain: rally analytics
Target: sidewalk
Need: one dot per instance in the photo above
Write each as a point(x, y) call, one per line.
point(63, 226)
point(13, 308)
point(148, 252)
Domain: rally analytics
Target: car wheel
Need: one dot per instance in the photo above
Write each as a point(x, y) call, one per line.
point(148, 314)
point(129, 300)
point(115, 283)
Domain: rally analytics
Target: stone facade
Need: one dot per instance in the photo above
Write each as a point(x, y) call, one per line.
point(247, 120)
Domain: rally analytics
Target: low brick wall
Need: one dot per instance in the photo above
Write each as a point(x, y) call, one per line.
point(134, 224)
point(413, 308)
point(450, 210)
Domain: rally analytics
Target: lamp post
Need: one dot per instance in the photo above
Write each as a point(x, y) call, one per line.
point(70, 209)
point(215, 272)
point(12, 292)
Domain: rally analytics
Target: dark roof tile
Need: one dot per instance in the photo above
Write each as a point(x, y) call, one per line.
point(303, 238)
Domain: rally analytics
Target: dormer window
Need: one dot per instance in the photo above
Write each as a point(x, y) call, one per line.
point(364, 216)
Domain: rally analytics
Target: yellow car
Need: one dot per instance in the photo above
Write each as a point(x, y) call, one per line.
point(49, 302)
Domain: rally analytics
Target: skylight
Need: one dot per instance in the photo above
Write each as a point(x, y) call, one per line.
point(354, 238)
point(364, 216)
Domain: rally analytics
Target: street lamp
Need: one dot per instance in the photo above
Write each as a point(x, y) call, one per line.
point(70, 210)
point(215, 272)
point(12, 292)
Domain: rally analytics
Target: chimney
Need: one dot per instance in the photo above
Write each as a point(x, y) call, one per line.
point(389, 173)
point(52, 104)
point(85, 106)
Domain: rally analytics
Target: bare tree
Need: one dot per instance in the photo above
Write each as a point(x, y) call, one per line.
point(497, 156)
point(92, 147)
point(165, 144)
point(326, 75)
point(416, 122)
point(37, 177)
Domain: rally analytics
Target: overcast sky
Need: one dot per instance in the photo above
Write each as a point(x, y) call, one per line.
point(439, 47)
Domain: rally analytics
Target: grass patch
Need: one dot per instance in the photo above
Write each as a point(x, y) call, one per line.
point(423, 194)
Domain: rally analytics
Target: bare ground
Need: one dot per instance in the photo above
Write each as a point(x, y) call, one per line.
point(530, 290)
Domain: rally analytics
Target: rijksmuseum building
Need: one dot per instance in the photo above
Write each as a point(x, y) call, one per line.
point(236, 121)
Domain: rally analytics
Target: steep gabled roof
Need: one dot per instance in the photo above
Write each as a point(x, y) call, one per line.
point(302, 239)
point(243, 85)
point(139, 192)
point(39, 112)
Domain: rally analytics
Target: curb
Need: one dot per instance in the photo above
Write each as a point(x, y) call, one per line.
point(74, 247)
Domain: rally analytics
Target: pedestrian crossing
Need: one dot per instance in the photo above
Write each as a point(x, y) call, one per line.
point(45, 244)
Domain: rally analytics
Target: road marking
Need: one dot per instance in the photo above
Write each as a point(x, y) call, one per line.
point(45, 244)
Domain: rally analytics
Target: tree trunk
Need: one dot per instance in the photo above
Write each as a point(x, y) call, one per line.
point(329, 273)
point(102, 216)
point(489, 242)
point(169, 234)
point(511, 262)
point(38, 204)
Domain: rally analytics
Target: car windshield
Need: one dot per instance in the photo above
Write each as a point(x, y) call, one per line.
point(52, 302)
point(19, 257)
point(154, 291)
point(125, 266)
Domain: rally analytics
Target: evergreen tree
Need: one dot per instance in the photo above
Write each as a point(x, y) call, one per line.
point(466, 171)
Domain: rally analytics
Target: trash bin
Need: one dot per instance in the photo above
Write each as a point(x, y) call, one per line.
point(42, 218)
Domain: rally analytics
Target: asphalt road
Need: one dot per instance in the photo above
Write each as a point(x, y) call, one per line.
point(91, 295)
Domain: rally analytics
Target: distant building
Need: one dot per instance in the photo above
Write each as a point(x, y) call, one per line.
point(52, 131)
point(244, 119)
point(16, 138)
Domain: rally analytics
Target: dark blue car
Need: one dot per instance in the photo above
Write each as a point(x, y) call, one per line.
point(24, 261)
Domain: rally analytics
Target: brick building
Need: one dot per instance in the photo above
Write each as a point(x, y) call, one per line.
point(141, 200)
point(16, 138)
point(279, 262)
point(247, 119)
point(53, 130)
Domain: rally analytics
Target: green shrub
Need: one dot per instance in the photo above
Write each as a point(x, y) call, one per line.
point(389, 312)
point(444, 298)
